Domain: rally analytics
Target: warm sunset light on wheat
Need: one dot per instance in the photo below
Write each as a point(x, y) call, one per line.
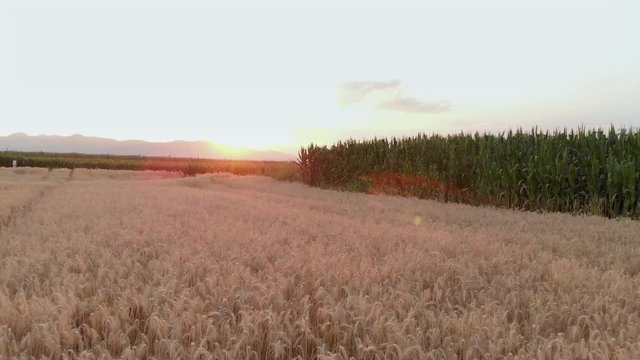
point(328, 180)
point(226, 267)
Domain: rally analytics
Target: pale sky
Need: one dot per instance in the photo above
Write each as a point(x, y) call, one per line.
point(280, 74)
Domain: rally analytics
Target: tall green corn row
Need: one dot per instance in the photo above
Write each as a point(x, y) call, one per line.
point(583, 171)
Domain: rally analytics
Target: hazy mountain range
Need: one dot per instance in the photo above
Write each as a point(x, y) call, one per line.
point(97, 145)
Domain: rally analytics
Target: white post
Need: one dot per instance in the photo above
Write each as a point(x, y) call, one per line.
point(15, 163)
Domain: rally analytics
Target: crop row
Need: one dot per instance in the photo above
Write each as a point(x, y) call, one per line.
point(583, 171)
point(187, 166)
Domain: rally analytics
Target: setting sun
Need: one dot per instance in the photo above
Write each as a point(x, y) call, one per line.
point(279, 77)
point(235, 143)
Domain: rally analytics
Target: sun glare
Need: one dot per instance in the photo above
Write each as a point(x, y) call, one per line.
point(237, 143)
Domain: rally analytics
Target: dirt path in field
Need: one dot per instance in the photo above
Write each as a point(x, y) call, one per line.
point(21, 210)
point(18, 198)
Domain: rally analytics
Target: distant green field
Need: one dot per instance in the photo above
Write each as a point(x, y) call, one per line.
point(281, 170)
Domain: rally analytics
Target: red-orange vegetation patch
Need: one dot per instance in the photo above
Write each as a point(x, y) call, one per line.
point(421, 186)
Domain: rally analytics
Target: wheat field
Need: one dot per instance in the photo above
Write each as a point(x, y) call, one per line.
point(113, 264)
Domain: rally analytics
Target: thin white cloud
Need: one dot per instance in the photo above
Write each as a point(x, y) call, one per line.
point(388, 95)
point(360, 91)
point(413, 105)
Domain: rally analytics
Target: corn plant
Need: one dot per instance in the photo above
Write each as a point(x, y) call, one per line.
point(580, 171)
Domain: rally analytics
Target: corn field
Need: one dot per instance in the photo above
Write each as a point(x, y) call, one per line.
point(583, 171)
